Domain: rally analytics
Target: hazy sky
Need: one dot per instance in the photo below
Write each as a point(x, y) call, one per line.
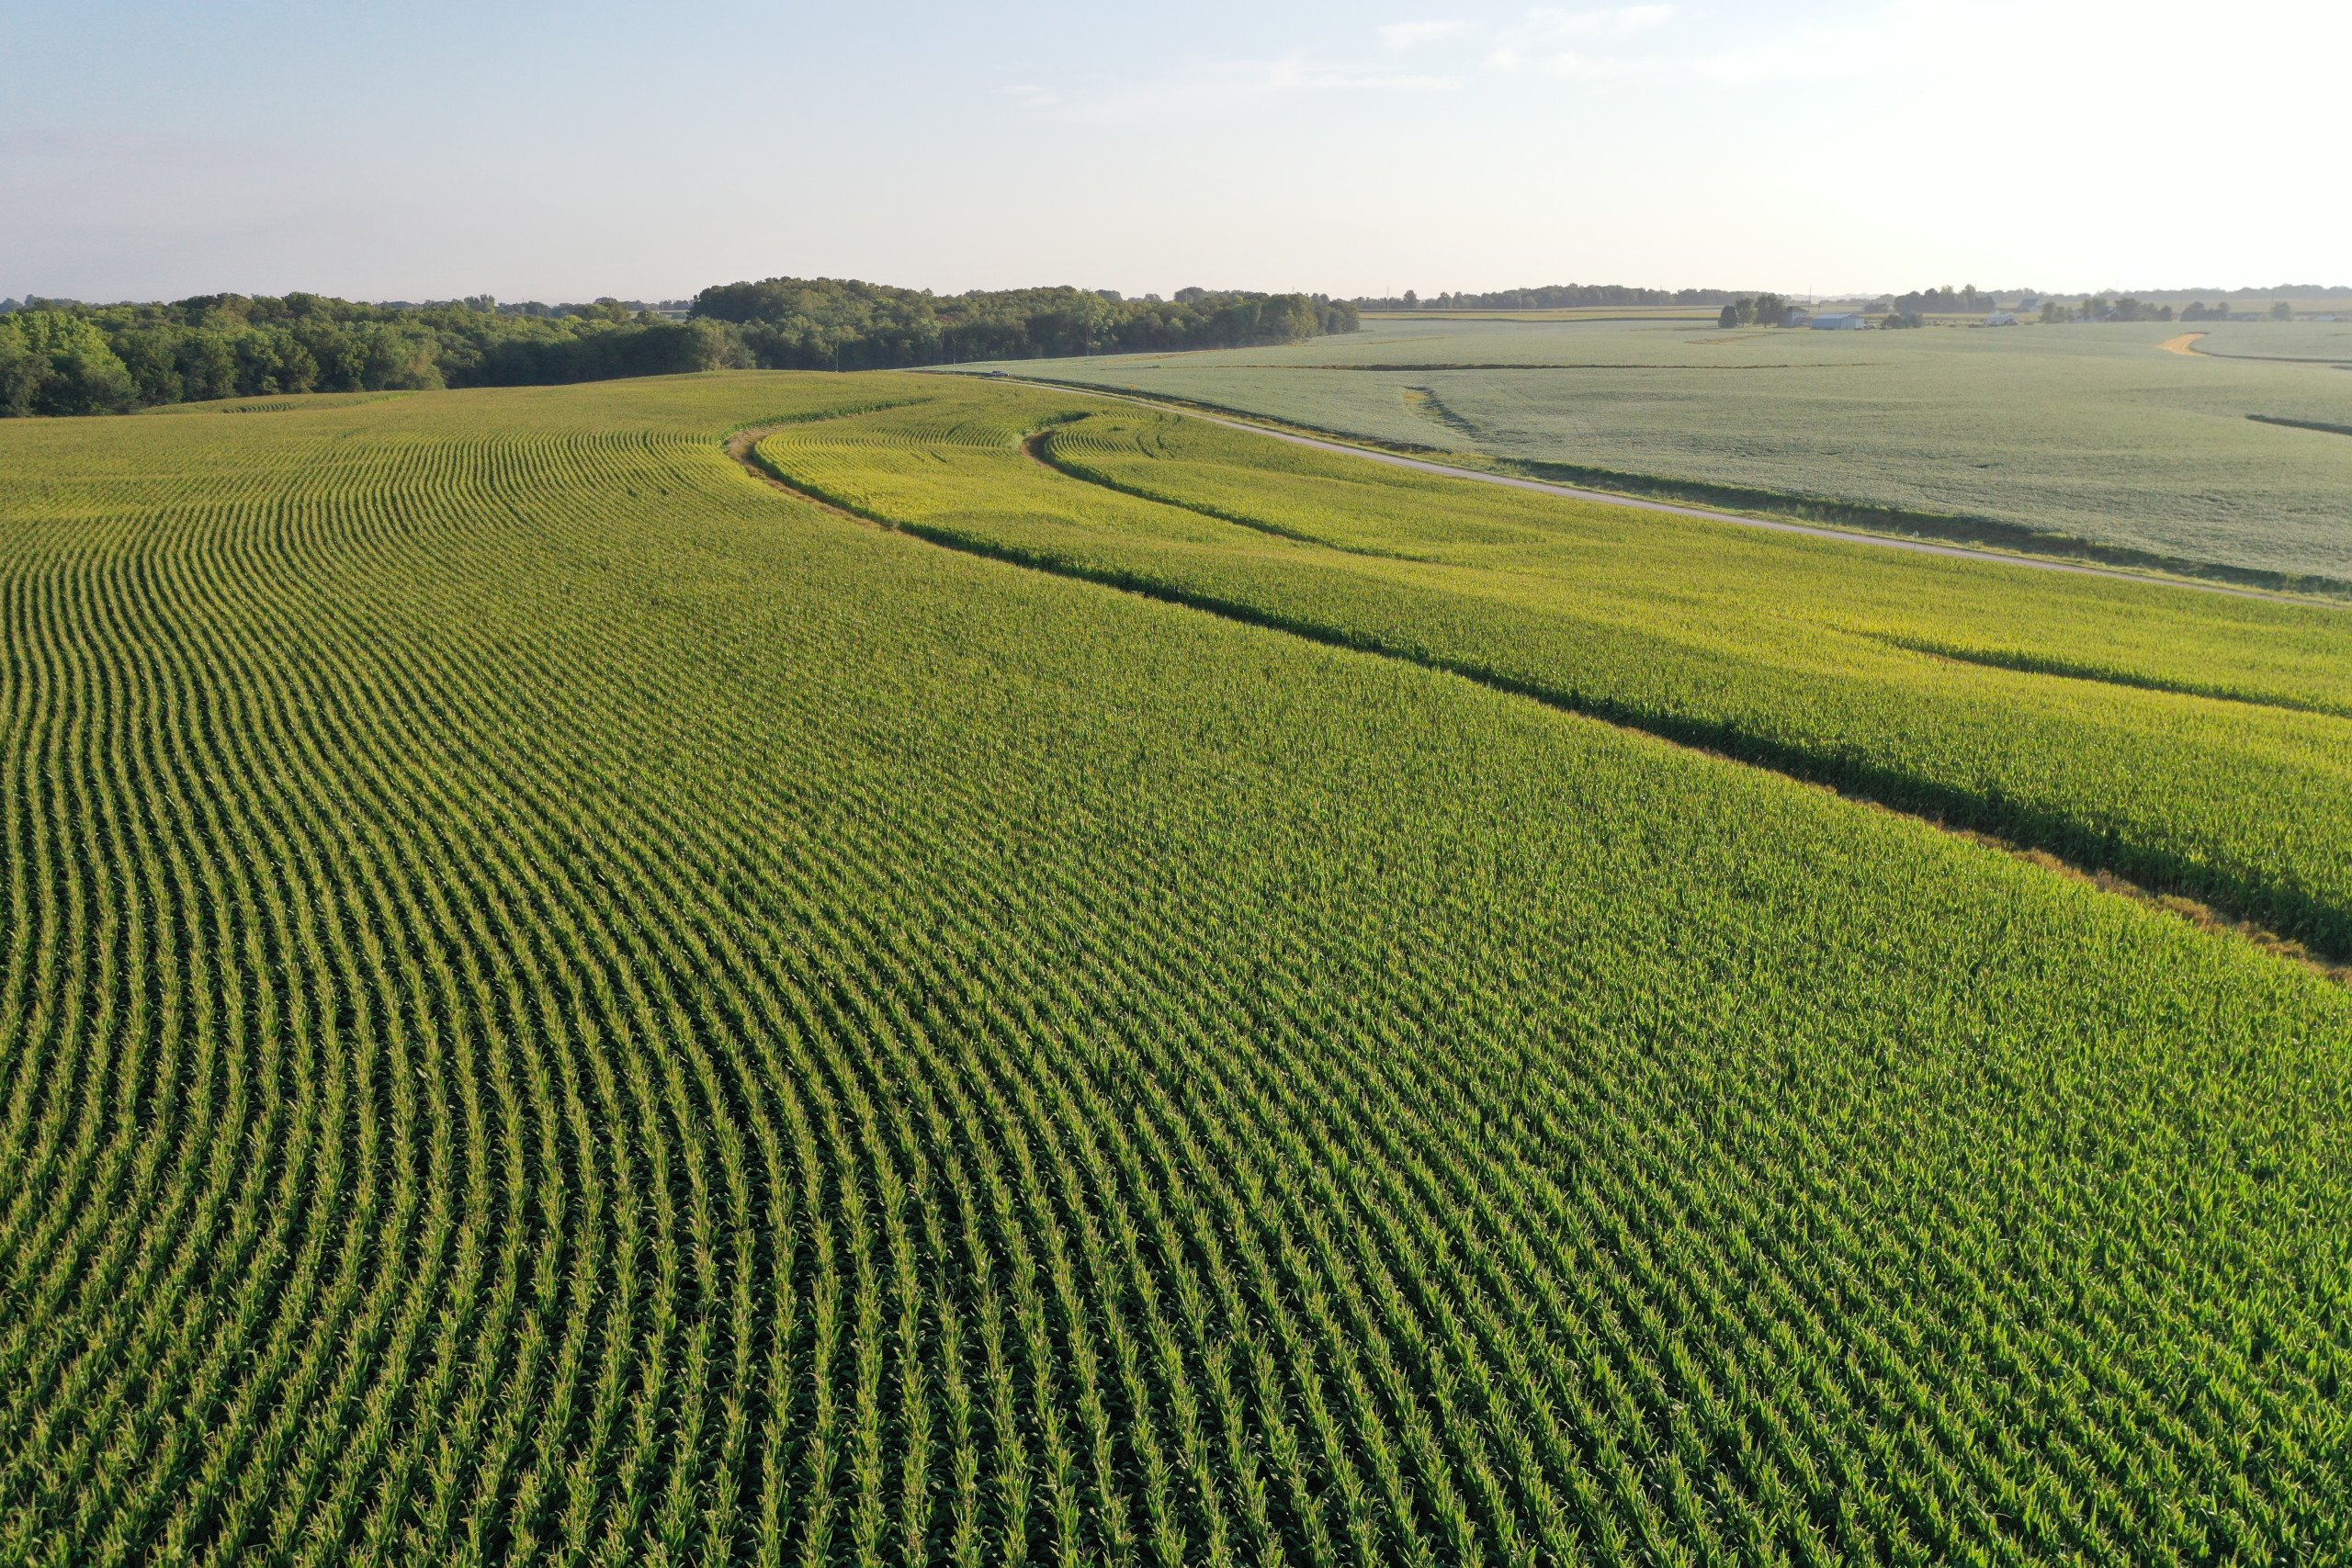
point(563, 152)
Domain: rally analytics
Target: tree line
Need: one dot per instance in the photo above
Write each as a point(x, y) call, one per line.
point(1549, 297)
point(822, 324)
point(1968, 301)
point(2123, 310)
point(61, 357)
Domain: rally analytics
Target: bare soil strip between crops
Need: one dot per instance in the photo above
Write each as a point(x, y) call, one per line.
point(743, 447)
point(1609, 498)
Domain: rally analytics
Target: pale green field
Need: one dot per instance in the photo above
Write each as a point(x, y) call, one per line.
point(2088, 432)
point(2329, 341)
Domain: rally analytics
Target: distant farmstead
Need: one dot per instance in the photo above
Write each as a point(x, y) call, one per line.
point(1839, 324)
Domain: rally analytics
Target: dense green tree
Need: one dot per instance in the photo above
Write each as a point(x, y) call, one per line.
point(844, 325)
point(19, 378)
point(72, 368)
point(208, 364)
point(63, 357)
point(151, 354)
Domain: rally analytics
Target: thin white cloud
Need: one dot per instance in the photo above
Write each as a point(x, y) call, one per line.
point(1905, 29)
point(1579, 65)
point(1780, 62)
point(1585, 44)
point(1555, 39)
point(1612, 21)
point(1227, 85)
point(1400, 38)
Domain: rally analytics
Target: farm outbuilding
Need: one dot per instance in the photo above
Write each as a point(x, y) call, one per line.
point(1839, 323)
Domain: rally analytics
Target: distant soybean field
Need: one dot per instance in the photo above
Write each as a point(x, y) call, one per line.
point(2083, 433)
point(1076, 986)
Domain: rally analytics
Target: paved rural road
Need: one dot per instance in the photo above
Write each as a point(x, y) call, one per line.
point(1606, 498)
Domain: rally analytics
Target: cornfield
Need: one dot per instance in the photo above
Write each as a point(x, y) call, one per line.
point(2196, 743)
point(560, 1005)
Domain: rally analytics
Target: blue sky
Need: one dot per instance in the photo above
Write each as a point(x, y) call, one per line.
point(432, 149)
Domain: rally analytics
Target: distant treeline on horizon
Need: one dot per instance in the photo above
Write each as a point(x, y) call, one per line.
point(1551, 296)
point(794, 324)
point(61, 357)
point(1594, 296)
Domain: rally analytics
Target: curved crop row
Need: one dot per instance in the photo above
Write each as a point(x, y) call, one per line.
point(556, 1005)
point(1789, 652)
